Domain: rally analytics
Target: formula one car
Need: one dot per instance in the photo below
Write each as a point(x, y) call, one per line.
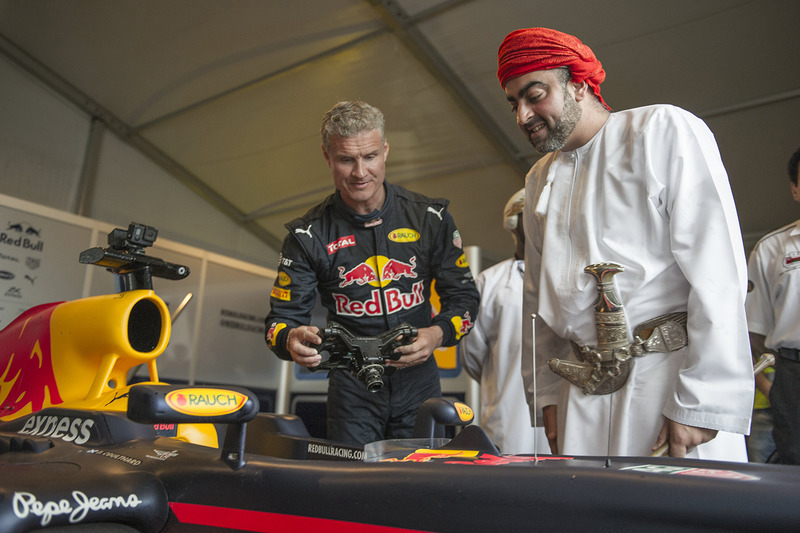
point(83, 450)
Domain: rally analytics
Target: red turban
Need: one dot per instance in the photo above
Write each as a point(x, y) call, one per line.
point(533, 49)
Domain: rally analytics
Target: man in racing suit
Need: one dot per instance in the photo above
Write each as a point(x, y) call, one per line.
point(372, 250)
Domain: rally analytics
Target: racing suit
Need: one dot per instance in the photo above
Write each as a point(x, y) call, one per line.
point(373, 273)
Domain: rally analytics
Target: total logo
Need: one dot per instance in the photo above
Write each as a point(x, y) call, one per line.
point(378, 271)
point(338, 244)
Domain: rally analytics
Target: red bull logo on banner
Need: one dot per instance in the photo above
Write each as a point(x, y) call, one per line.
point(393, 301)
point(27, 379)
point(378, 271)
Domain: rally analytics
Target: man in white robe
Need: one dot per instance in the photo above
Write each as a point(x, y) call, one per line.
point(491, 353)
point(646, 189)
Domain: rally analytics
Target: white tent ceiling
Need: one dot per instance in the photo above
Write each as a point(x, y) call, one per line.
point(227, 94)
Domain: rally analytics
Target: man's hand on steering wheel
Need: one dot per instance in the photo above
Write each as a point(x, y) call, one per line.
point(298, 343)
point(428, 339)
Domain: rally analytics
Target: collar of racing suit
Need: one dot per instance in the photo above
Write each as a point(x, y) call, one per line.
point(373, 219)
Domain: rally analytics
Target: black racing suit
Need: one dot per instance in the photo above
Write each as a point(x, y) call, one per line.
point(373, 273)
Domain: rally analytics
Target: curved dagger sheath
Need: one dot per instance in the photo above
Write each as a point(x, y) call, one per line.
point(604, 369)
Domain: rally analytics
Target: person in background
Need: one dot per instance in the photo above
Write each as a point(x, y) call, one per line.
point(645, 189)
point(492, 351)
point(760, 444)
point(772, 305)
point(371, 250)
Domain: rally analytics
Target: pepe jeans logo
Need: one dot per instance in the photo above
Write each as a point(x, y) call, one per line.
point(26, 503)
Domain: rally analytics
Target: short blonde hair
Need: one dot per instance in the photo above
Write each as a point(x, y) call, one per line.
point(348, 119)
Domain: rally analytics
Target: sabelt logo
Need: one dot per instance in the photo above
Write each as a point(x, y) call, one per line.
point(338, 244)
point(464, 411)
point(404, 235)
point(205, 402)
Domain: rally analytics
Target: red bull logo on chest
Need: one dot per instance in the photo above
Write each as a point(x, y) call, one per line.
point(393, 301)
point(378, 271)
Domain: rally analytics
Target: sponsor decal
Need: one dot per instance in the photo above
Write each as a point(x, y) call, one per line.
point(241, 321)
point(162, 455)
point(338, 244)
point(307, 231)
point(750, 286)
point(4, 257)
point(29, 278)
point(285, 261)
point(424, 455)
point(690, 471)
point(14, 292)
point(281, 294)
point(393, 301)
point(462, 262)
point(791, 260)
point(28, 378)
point(457, 239)
point(335, 451)
point(462, 325)
point(118, 397)
point(116, 456)
point(166, 429)
point(22, 235)
point(205, 402)
point(487, 459)
point(378, 271)
point(435, 212)
point(6, 275)
point(464, 411)
point(33, 263)
point(404, 235)
point(272, 334)
point(283, 279)
point(26, 503)
point(66, 428)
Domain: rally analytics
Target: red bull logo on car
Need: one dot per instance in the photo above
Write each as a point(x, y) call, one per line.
point(378, 271)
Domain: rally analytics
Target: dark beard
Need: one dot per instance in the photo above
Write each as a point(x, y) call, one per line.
point(563, 128)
